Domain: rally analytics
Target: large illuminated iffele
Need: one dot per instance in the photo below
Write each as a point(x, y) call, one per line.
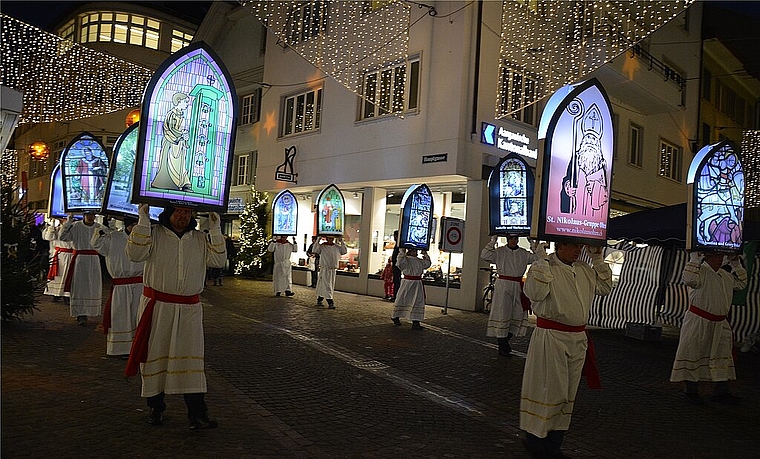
point(331, 212)
point(186, 137)
point(715, 212)
point(284, 214)
point(416, 219)
point(510, 196)
point(84, 169)
point(117, 199)
point(574, 168)
point(55, 203)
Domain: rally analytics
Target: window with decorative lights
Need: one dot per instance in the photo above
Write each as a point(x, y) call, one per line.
point(306, 21)
point(392, 89)
point(671, 160)
point(250, 107)
point(517, 92)
point(302, 112)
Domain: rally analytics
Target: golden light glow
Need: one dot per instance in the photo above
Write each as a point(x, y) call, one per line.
point(631, 66)
point(132, 117)
point(39, 151)
point(270, 123)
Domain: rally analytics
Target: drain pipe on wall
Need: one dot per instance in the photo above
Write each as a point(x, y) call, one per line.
point(476, 89)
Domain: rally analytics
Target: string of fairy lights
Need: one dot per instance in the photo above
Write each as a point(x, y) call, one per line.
point(751, 162)
point(62, 80)
point(555, 43)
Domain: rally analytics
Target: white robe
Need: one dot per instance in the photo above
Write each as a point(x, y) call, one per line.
point(125, 299)
point(329, 258)
point(507, 315)
point(55, 287)
point(86, 283)
point(704, 347)
point(282, 276)
point(410, 300)
point(555, 359)
point(178, 267)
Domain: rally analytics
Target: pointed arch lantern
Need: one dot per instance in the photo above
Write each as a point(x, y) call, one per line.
point(416, 218)
point(331, 212)
point(84, 169)
point(510, 196)
point(285, 214)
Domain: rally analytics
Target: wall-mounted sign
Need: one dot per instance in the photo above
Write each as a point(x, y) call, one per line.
point(507, 140)
point(284, 214)
point(235, 206)
point(118, 194)
point(510, 196)
point(452, 235)
point(331, 212)
point(285, 172)
point(715, 211)
point(575, 165)
point(416, 218)
point(55, 203)
point(187, 132)
point(439, 158)
point(84, 169)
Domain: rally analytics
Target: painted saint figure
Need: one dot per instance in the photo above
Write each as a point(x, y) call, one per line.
point(93, 171)
point(172, 170)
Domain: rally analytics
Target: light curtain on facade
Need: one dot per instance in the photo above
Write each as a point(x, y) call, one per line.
point(750, 151)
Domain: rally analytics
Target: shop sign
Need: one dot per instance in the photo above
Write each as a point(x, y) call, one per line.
point(285, 171)
point(507, 140)
point(285, 214)
point(715, 210)
point(185, 146)
point(440, 158)
point(235, 206)
point(574, 168)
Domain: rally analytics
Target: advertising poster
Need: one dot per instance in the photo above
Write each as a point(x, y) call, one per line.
point(84, 169)
point(416, 226)
point(285, 214)
point(575, 165)
point(510, 197)
point(117, 200)
point(715, 212)
point(185, 145)
point(331, 208)
point(55, 203)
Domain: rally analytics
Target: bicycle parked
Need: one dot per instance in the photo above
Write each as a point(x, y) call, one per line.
point(488, 290)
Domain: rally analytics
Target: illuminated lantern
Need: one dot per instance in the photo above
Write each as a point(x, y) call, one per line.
point(185, 145)
point(574, 171)
point(55, 203)
point(39, 151)
point(285, 214)
point(84, 169)
point(715, 210)
point(510, 196)
point(416, 218)
point(117, 199)
point(331, 212)
point(132, 117)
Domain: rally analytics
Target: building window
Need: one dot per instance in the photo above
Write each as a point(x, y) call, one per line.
point(250, 107)
point(517, 93)
point(635, 148)
point(306, 21)
point(180, 39)
point(67, 31)
point(370, 6)
point(671, 160)
point(302, 112)
point(119, 28)
point(242, 170)
point(392, 89)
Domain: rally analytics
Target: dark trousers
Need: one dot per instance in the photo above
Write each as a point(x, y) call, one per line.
point(314, 277)
point(545, 447)
point(196, 404)
point(396, 280)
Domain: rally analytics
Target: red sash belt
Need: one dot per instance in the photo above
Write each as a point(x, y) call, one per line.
point(412, 277)
point(139, 352)
point(705, 314)
point(107, 310)
point(524, 300)
point(590, 371)
point(70, 272)
point(53, 271)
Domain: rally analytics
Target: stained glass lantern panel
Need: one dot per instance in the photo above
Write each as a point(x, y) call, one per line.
point(331, 208)
point(510, 196)
point(285, 214)
point(416, 225)
point(55, 203)
point(84, 169)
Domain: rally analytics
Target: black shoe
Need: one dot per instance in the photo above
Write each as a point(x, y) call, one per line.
point(82, 320)
point(289, 293)
point(277, 294)
point(155, 417)
point(505, 349)
point(330, 305)
point(695, 398)
point(726, 399)
point(203, 422)
point(416, 325)
point(396, 321)
point(56, 299)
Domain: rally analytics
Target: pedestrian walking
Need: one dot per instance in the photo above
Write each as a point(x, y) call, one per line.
point(120, 312)
point(313, 262)
point(231, 255)
point(510, 306)
point(396, 270)
point(561, 290)
point(410, 299)
point(282, 274)
point(387, 277)
point(329, 254)
point(83, 278)
point(706, 340)
point(60, 258)
point(168, 345)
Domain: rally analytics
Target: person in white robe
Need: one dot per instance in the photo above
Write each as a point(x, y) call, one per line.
point(561, 290)
point(329, 253)
point(168, 346)
point(410, 299)
point(706, 341)
point(60, 258)
point(510, 306)
point(120, 312)
point(282, 276)
point(83, 277)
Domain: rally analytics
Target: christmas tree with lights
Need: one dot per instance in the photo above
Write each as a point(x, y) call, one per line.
point(251, 260)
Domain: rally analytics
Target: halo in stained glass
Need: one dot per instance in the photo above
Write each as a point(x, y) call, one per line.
point(510, 196)
point(185, 145)
point(331, 208)
point(285, 214)
point(416, 225)
point(55, 202)
point(84, 170)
